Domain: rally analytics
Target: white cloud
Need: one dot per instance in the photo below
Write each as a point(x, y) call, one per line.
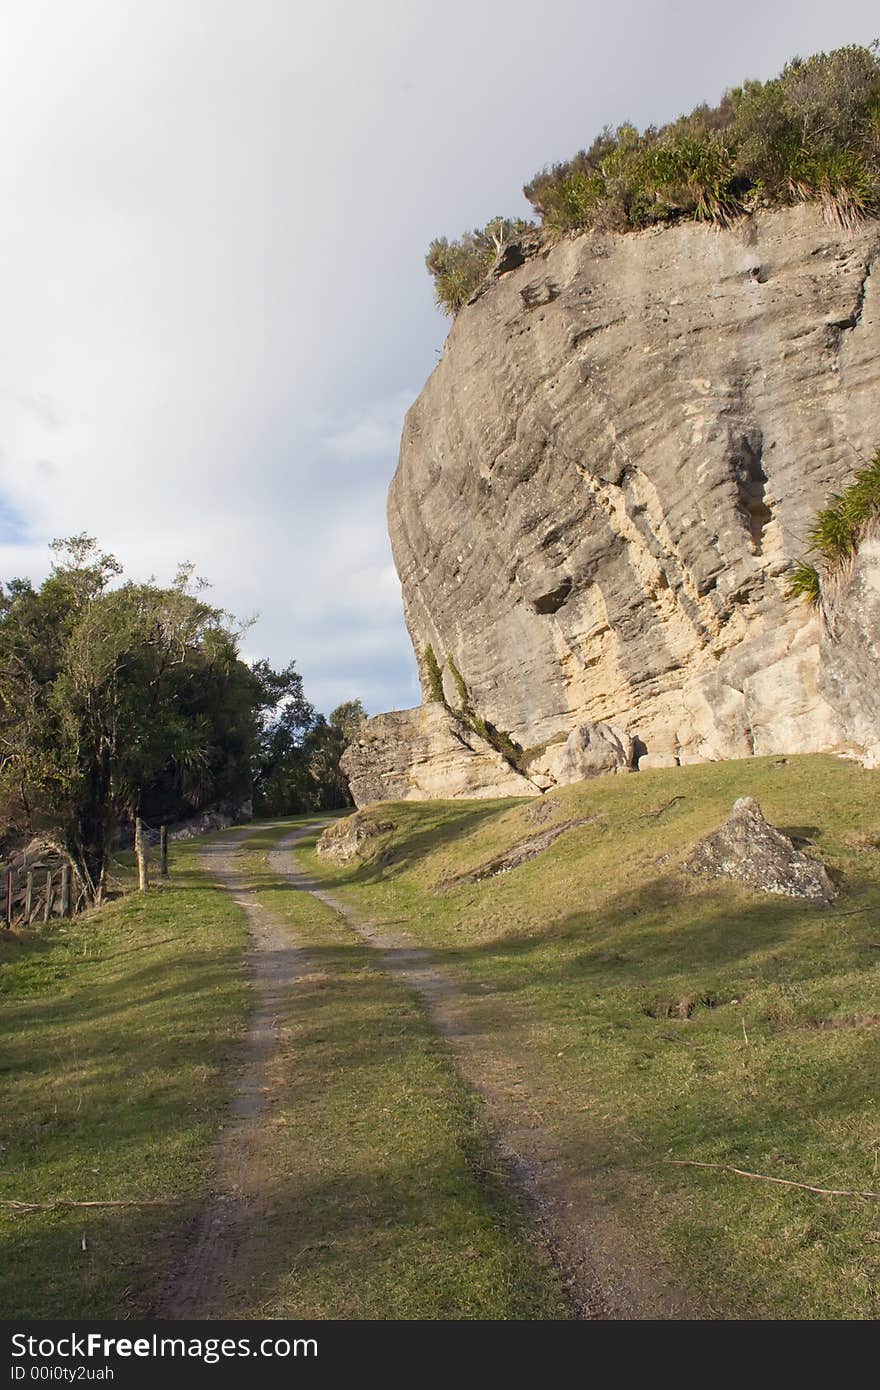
point(376, 433)
point(215, 311)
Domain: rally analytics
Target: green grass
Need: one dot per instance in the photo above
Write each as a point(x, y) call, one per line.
point(120, 1038)
point(116, 1034)
point(656, 1017)
point(381, 1173)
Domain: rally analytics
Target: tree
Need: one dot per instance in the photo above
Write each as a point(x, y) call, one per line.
point(300, 764)
point(118, 699)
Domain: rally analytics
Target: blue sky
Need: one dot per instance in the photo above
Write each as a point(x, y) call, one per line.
point(215, 310)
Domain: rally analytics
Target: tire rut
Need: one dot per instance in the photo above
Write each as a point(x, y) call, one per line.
point(600, 1270)
point(200, 1288)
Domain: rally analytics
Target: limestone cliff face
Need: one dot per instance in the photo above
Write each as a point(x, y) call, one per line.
point(604, 481)
point(426, 754)
point(850, 648)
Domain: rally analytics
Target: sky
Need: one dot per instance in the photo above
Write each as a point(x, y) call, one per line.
point(214, 311)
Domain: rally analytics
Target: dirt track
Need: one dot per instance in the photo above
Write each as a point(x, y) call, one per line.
point(601, 1270)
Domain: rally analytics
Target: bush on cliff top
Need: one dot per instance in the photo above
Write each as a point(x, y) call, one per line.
point(810, 135)
point(458, 267)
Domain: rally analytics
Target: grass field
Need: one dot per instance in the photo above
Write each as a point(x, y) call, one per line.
point(120, 1039)
point(637, 1016)
point(117, 1033)
point(656, 1018)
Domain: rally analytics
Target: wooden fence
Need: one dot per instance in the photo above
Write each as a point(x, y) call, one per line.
point(34, 893)
point(41, 883)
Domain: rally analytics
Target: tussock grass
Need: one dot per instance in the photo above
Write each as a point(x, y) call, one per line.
point(656, 1017)
point(836, 534)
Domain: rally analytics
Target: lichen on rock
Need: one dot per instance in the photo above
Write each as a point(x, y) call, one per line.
point(753, 852)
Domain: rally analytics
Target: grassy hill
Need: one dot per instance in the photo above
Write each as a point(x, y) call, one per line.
point(645, 1017)
point(622, 1013)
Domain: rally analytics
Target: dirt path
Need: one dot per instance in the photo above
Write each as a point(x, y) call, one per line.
point(199, 1291)
point(604, 1272)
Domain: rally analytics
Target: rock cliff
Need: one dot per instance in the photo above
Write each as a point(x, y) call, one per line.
point(605, 481)
point(424, 754)
point(850, 648)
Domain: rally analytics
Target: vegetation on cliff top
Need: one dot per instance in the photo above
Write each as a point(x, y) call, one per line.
point(835, 534)
point(812, 134)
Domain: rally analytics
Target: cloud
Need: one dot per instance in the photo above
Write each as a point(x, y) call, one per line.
point(215, 309)
point(376, 433)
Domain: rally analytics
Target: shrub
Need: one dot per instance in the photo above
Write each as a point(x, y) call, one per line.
point(811, 134)
point(804, 582)
point(459, 267)
point(435, 675)
point(836, 532)
point(460, 684)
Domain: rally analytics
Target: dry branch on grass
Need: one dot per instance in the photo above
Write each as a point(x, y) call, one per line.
point(23, 1207)
point(765, 1177)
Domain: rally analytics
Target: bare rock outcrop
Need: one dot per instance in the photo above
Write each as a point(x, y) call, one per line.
point(850, 648)
point(427, 753)
point(607, 477)
point(352, 838)
point(747, 848)
point(511, 858)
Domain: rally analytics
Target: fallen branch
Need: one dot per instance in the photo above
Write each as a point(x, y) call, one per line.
point(765, 1177)
point(62, 1203)
point(652, 815)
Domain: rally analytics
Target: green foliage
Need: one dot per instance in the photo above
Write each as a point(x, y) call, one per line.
point(811, 134)
point(460, 684)
point(836, 532)
point(435, 675)
point(804, 582)
point(458, 267)
point(120, 699)
point(300, 751)
point(500, 739)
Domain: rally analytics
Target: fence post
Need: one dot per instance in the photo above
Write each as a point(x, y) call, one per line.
point(47, 906)
point(140, 850)
point(9, 897)
point(29, 898)
point(163, 851)
point(65, 890)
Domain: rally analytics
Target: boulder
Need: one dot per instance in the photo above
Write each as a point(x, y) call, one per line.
point(589, 751)
point(427, 753)
point(350, 838)
point(750, 850)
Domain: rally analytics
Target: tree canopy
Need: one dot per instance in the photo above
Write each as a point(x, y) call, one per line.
point(120, 699)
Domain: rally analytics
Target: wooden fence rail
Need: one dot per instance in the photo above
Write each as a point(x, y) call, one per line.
point(37, 894)
point(48, 886)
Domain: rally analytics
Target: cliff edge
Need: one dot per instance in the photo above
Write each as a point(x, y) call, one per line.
point(605, 482)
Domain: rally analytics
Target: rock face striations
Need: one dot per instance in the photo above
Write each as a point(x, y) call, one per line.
point(608, 475)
